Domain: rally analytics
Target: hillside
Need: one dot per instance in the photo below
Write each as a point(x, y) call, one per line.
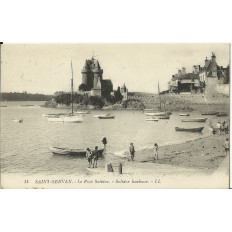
point(24, 97)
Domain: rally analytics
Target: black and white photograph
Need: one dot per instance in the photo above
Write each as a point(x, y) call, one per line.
point(115, 115)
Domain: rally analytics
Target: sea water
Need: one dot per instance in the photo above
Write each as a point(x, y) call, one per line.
point(25, 146)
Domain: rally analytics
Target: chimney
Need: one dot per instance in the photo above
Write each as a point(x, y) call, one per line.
point(183, 71)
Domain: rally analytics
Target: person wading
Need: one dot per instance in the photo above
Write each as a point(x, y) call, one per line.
point(156, 151)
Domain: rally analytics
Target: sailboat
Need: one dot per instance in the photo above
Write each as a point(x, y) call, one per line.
point(71, 118)
point(163, 114)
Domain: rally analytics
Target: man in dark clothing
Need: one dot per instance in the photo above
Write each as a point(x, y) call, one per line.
point(132, 151)
point(95, 157)
point(104, 141)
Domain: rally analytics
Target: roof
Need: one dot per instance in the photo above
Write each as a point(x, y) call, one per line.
point(188, 76)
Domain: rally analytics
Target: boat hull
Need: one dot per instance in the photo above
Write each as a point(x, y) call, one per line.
point(184, 114)
point(194, 120)
point(152, 119)
point(72, 119)
point(198, 129)
point(210, 113)
point(106, 117)
point(71, 152)
point(156, 114)
point(164, 117)
point(222, 114)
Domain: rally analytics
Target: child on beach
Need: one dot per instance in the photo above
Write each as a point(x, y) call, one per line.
point(156, 151)
point(104, 141)
point(227, 145)
point(132, 151)
point(89, 156)
point(219, 128)
point(95, 157)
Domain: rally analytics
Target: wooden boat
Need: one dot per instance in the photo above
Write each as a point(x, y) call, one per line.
point(70, 118)
point(106, 117)
point(194, 120)
point(156, 114)
point(148, 109)
point(197, 129)
point(100, 115)
point(222, 114)
point(52, 115)
point(72, 152)
point(3, 106)
point(210, 113)
point(67, 118)
point(17, 120)
point(164, 117)
point(152, 119)
point(26, 105)
point(184, 114)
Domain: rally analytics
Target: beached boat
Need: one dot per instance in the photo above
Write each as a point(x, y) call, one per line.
point(197, 129)
point(194, 120)
point(74, 152)
point(152, 119)
point(106, 117)
point(17, 120)
point(164, 117)
point(210, 113)
point(184, 114)
point(222, 114)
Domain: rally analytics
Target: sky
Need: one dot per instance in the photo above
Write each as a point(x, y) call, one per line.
point(47, 68)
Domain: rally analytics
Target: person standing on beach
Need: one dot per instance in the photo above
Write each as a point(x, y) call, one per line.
point(219, 128)
point(104, 141)
point(89, 156)
point(227, 145)
point(132, 151)
point(95, 157)
point(156, 151)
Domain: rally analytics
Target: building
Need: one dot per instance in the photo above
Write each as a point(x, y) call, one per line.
point(184, 82)
point(124, 92)
point(92, 81)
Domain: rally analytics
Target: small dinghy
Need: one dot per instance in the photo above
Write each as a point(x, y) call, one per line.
point(164, 117)
point(194, 120)
point(82, 112)
point(184, 114)
point(197, 129)
point(72, 152)
point(17, 120)
point(152, 119)
point(210, 113)
point(222, 114)
point(106, 117)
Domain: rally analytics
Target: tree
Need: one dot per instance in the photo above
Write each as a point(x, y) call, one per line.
point(83, 87)
point(118, 95)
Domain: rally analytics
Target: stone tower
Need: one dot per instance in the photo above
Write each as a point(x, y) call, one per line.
point(91, 73)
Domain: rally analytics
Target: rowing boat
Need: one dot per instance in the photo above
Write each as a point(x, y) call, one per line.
point(17, 120)
point(210, 113)
point(152, 119)
point(194, 120)
point(72, 152)
point(197, 129)
point(164, 117)
point(184, 114)
point(106, 117)
point(222, 114)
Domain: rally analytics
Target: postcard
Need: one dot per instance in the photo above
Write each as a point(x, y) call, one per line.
point(115, 116)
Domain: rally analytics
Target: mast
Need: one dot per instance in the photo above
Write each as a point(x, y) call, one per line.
point(159, 95)
point(72, 87)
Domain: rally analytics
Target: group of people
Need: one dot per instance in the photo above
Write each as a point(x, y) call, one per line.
point(92, 156)
point(132, 151)
point(222, 128)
